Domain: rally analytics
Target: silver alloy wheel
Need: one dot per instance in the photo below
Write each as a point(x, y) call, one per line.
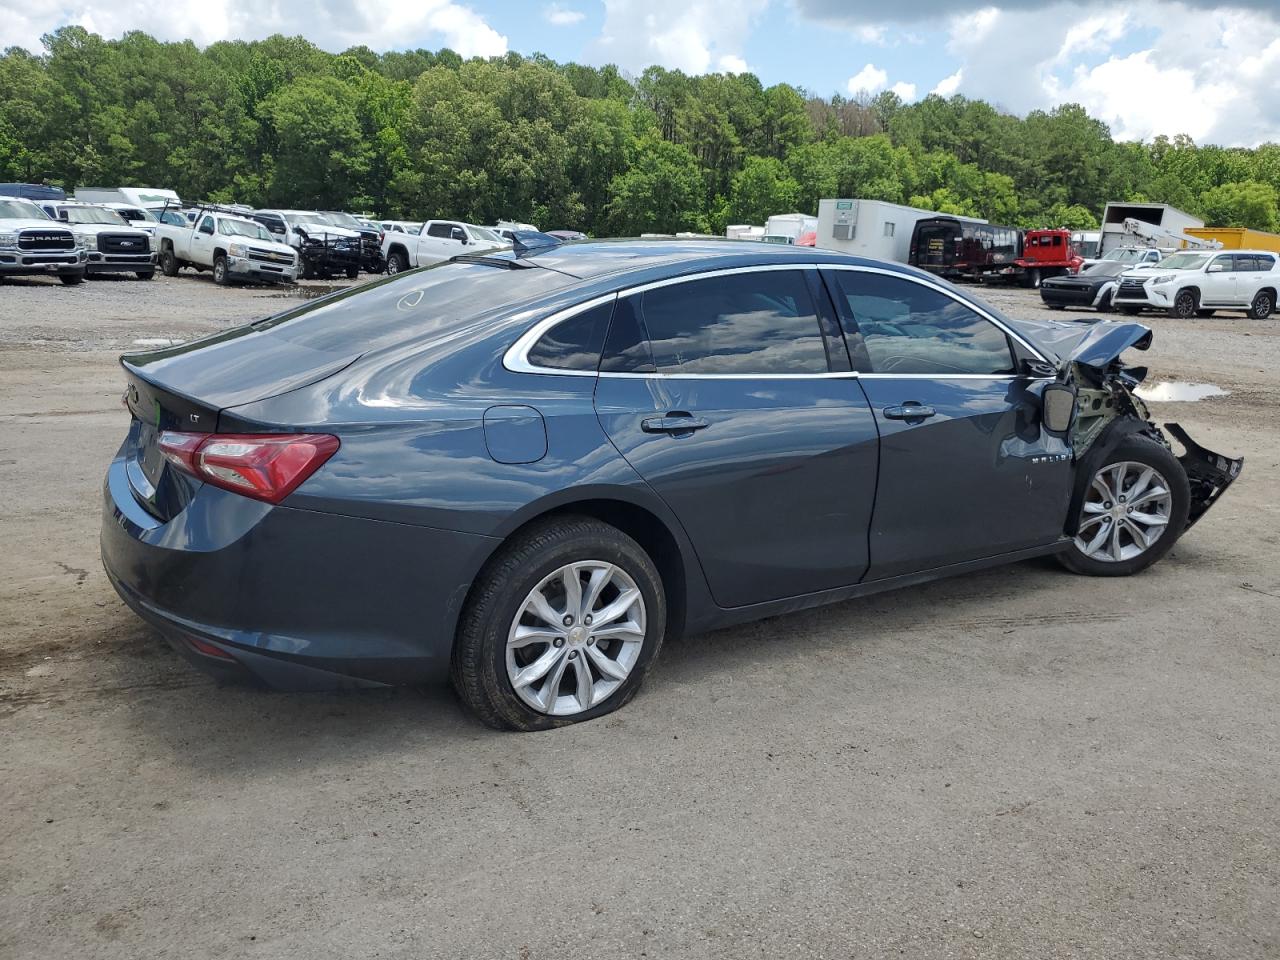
point(581, 628)
point(1124, 513)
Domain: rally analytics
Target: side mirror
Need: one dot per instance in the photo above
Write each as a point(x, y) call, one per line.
point(1037, 369)
point(1059, 405)
point(1217, 268)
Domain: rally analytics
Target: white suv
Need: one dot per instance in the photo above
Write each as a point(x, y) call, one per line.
point(1195, 283)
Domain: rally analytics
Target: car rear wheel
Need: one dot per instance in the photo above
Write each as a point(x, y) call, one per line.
point(1262, 306)
point(397, 263)
point(1132, 513)
point(353, 272)
point(1185, 305)
point(562, 626)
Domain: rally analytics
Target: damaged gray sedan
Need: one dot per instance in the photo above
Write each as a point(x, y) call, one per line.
point(524, 470)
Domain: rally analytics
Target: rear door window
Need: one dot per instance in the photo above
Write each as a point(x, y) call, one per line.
point(909, 328)
point(754, 323)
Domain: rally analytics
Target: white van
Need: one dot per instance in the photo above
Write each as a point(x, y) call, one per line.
point(149, 198)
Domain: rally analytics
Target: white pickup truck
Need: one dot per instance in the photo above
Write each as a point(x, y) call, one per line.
point(31, 243)
point(438, 240)
point(232, 246)
point(113, 245)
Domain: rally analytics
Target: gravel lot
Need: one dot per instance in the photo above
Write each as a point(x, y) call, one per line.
point(1019, 763)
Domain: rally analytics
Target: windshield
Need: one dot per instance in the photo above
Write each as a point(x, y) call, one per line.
point(344, 220)
point(1184, 261)
point(93, 215)
point(482, 233)
point(1126, 255)
point(12, 208)
point(313, 218)
point(242, 228)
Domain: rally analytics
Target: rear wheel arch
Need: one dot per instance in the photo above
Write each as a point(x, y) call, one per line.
point(654, 534)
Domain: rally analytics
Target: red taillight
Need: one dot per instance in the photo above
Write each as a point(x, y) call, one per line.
point(208, 649)
point(265, 466)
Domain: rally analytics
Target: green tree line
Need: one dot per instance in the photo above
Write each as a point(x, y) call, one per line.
point(418, 134)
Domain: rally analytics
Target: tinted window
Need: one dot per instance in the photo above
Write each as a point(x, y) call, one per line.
point(911, 328)
point(574, 344)
point(1265, 262)
point(746, 323)
point(1220, 264)
point(627, 348)
point(444, 230)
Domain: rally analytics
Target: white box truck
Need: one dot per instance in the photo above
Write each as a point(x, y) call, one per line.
point(871, 228)
point(788, 227)
point(1158, 224)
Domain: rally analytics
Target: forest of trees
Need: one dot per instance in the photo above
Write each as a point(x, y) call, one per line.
point(417, 134)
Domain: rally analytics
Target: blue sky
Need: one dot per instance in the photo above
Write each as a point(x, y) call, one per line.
point(1146, 67)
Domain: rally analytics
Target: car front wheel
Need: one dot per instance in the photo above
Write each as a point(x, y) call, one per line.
point(562, 626)
point(1184, 306)
point(1132, 513)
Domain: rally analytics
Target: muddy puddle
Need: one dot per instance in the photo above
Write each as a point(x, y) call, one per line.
point(1176, 391)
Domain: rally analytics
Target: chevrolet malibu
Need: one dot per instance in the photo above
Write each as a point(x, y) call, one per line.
point(523, 470)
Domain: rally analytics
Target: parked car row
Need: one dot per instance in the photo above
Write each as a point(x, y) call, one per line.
point(1184, 284)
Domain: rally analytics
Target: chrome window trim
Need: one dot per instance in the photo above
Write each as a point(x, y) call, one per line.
point(516, 359)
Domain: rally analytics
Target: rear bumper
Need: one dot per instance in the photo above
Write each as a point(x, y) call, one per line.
point(298, 599)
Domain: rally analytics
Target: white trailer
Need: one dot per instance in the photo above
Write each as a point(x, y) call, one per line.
point(149, 198)
point(743, 231)
point(1164, 223)
point(871, 228)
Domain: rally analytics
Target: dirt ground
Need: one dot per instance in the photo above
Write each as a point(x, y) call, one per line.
point(1018, 763)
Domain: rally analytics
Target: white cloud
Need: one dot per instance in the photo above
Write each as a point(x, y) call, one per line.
point(949, 85)
point(330, 24)
point(1177, 84)
point(689, 35)
point(870, 79)
point(732, 63)
point(561, 16)
point(907, 91)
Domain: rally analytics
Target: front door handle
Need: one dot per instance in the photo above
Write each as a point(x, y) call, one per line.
point(910, 411)
point(675, 423)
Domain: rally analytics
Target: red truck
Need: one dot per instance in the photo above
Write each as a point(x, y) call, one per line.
point(1045, 253)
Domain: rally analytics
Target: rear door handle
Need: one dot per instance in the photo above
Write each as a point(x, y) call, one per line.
point(909, 411)
point(681, 423)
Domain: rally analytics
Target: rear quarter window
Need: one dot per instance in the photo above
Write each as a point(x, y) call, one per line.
point(574, 344)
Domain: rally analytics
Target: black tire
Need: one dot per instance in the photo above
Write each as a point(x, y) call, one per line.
point(1263, 305)
point(1055, 306)
point(220, 274)
point(1033, 279)
point(168, 263)
point(353, 273)
point(1129, 311)
point(71, 279)
point(1138, 449)
point(308, 270)
point(1105, 305)
point(1205, 314)
point(478, 669)
point(1185, 305)
point(397, 263)
point(146, 274)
